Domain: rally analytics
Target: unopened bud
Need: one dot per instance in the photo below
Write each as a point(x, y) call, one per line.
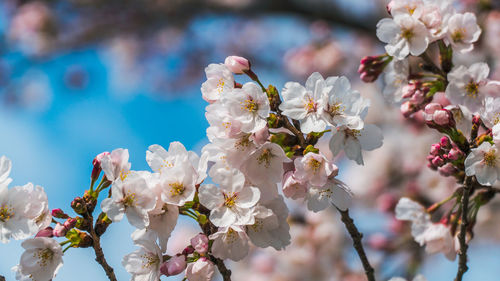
point(96, 171)
point(173, 266)
point(447, 170)
point(59, 230)
point(445, 142)
point(435, 149)
point(237, 65)
point(58, 213)
point(407, 109)
point(455, 154)
point(79, 206)
point(70, 223)
point(46, 232)
point(371, 67)
point(437, 161)
point(200, 243)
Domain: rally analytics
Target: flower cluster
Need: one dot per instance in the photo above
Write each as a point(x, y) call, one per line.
point(459, 101)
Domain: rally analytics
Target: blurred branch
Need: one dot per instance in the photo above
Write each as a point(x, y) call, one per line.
point(462, 235)
point(99, 20)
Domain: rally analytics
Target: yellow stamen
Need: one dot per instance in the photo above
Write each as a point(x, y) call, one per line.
point(6, 213)
point(265, 157)
point(472, 89)
point(176, 188)
point(230, 199)
point(250, 105)
point(407, 34)
point(490, 158)
point(458, 35)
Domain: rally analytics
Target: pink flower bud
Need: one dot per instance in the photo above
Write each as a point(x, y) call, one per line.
point(437, 161)
point(173, 266)
point(187, 251)
point(70, 223)
point(200, 243)
point(418, 97)
point(368, 77)
point(445, 142)
point(409, 90)
point(441, 117)
point(455, 154)
point(59, 230)
point(46, 232)
point(237, 65)
point(58, 213)
point(292, 188)
point(447, 170)
point(435, 149)
point(407, 109)
point(431, 107)
point(97, 165)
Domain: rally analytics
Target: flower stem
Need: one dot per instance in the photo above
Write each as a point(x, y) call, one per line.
point(356, 241)
point(100, 254)
point(462, 260)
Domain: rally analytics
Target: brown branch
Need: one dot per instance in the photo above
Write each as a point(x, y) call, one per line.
point(226, 273)
point(356, 241)
point(462, 235)
point(100, 254)
point(436, 69)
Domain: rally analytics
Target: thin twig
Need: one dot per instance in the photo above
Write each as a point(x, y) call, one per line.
point(100, 254)
point(356, 241)
point(226, 273)
point(436, 69)
point(462, 261)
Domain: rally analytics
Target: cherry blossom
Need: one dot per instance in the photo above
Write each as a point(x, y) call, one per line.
point(233, 202)
point(484, 163)
point(230, 243)
point(404, 35)
point(314, 168)
point(396, 78)
point(463, 31)
point(144, 263)
point(248, 105)
point(333, 192)
point(306, 103)
point(177, 185)
point(115, 165)
point(201, 270)
point(131, 197)
point(220, 81)
point(265, 165)
point(41, 259)
point(354, 141)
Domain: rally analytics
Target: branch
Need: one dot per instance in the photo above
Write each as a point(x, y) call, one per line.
point(226, 273)
point(356, 241)
point(433, 65)
point(2, 278)
point(464, 224)
point(100, 254)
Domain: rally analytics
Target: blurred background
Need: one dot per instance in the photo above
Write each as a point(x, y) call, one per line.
point(79, 77)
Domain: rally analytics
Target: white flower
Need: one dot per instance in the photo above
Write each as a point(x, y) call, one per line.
point(271, 227)
point(144, 263)
point(354, 141)
point(201, 270)
point(469, 86)
point(417, 278)
point(333, 192)
point(162, 221)
point(484, 163)
point(342, 105)
point(230, 243)
point(132, 197)
point(409, 210)
point(160, 159)
point(233, 202)
point(404, 35)
point(220, 81)
point(437, 238)
point(490, 113)
point(435, 15)
point(314, 168)
point(265, 165)
point(249, 106)
point(38, 209)
point(396, 78)
point(496, 134)
point(178, 184)
point(234, 151)
point(463, 31)
point(408, 7)
point(115, 165)
point(40, 261)
point(222, 123)
point(19, 211)
point(293, 188)
point(305, 103)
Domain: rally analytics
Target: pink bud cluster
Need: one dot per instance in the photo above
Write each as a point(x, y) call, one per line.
point(416, 94)
point(371, 67)
point(178, 263)
point(60, 229)
point(445, 157)
point(437, 116)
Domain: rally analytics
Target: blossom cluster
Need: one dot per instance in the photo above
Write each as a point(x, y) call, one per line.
point(263, 147)
point(422, 73)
